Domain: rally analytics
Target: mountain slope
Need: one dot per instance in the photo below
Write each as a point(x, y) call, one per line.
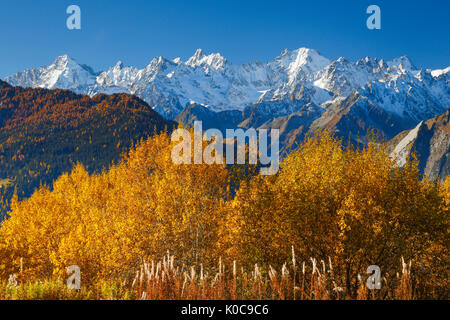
point(430, 140)
point(43, 133)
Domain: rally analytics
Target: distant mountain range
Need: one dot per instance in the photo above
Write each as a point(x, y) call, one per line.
point(298, 92)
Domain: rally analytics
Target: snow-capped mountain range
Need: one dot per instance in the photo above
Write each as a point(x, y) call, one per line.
point(290, 80)
point(298, 92)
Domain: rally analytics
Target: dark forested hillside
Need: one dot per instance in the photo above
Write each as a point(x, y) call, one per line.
point(3, 84)
point(43, 133)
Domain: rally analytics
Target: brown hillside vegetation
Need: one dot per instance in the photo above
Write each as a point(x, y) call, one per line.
point(346, 208)
point(43, 133)
point(58, 107)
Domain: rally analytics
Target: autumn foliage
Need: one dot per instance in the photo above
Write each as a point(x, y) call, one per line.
point(43, 133)
point(350, 208)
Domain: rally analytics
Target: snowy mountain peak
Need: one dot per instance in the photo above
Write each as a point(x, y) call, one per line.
point(63, 73)
point(382, 64)
point(68, 64)
point(198, 56)
point(158, 64)
point(214, 60)
point(119, 65)
point(62, 61)
point(302, 60)
point(302, 56)
point(157, 61)
point(368, 62)
point(403, 63)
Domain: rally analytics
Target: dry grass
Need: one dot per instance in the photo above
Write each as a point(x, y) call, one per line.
point(312, 280)
point(5, 182)
point(165, 280)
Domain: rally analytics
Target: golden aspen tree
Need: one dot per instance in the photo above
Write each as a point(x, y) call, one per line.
point(108, 223)
point(328, 201)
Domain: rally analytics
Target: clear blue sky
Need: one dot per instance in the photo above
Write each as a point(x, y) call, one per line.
point(34, 32)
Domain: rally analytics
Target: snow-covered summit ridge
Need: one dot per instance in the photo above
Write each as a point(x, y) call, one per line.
point(210, 80)
point(439, 72)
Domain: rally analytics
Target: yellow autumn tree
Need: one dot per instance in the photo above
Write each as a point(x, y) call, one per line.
point(432, 267)
point(354, 207)
point(109, 223)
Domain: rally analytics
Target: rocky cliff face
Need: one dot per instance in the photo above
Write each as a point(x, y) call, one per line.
point(430, 140)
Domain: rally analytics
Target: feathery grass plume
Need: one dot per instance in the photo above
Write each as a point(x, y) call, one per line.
point(166, 279)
